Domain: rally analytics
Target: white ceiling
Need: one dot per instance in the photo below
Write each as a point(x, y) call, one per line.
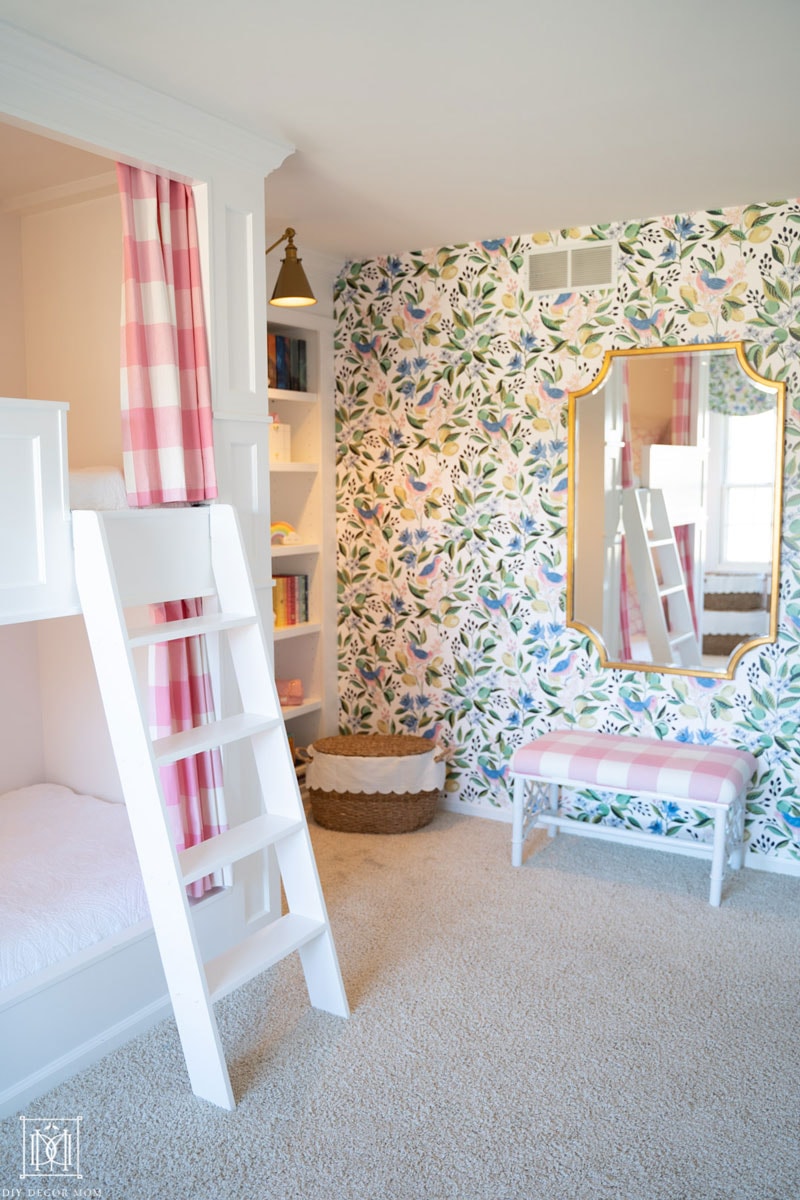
point(423, 122)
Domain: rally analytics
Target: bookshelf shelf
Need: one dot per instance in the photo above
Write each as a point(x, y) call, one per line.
point(302, 494)
point(282, 632)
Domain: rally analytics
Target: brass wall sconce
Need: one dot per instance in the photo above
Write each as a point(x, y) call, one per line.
point(292, 289)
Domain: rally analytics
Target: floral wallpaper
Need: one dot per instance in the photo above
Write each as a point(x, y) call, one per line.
point(452, 382)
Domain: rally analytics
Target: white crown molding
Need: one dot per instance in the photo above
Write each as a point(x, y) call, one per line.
point(45, 88)
point(94, 187)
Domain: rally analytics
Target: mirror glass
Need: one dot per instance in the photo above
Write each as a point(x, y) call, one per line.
point(675, 463)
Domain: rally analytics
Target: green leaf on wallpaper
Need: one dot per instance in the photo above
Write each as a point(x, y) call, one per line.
point(549, 323)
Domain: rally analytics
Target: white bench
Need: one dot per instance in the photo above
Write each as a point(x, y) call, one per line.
point(712, 779)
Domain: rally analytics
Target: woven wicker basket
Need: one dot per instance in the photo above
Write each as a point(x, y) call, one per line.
point(373, 812)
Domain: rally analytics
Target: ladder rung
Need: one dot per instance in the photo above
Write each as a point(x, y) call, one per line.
point(234, 844)
point(168, 631)
point(671, 591)
point(657, 543)
point(682, 637)
point(261, 950)
point(208, 737)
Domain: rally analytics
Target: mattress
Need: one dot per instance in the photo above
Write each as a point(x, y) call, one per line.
point(97, 487)
point(69, 877)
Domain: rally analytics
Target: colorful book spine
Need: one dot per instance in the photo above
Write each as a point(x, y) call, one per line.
point(287, 362)
point(272, 368)
point(290, 600)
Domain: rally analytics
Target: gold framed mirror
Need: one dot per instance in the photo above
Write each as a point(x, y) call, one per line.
point(674, 511)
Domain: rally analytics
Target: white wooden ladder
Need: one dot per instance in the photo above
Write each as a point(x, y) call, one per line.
point(660, 578)
point(125, 559)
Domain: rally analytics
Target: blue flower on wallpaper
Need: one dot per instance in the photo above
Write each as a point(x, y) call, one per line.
point(468, 397)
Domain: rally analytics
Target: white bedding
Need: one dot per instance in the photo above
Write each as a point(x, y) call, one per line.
point(97, 487)
point(69, 876)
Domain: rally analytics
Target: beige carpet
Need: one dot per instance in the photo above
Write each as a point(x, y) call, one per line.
point(584, 1028)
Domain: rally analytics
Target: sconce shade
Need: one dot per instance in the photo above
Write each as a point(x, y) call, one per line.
point(292, 289)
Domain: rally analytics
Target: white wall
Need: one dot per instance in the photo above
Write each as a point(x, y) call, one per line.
point(72, 278)
point(77, 747)
point(21, 740)
point(12, 322)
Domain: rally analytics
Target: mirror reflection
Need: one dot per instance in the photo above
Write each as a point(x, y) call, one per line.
point(674, 516)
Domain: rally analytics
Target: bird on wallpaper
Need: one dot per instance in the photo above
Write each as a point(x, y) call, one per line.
point(549, 575)
point(418, 485)
point(494, 244)
point(561, 486)
point(494, 426)
point(791, 820)
point(369, 514)
point(563, 664)
point(370, 676)
point(493, 604)
point(633, 702)
point(417, 650)
point(490, 772)
point(561, 299)
point(549, 391)
point(430, 734)
point(429, 396)
point(430, 570)
point(415, 313)
point(365, 348)
point(711, 284)
point(643, 324)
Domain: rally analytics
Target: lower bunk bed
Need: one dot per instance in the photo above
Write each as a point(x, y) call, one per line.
point(79, 968)
point(80, 972)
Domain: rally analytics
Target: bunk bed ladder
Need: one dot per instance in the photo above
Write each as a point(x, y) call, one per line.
point(114, 552)
point(660, 578)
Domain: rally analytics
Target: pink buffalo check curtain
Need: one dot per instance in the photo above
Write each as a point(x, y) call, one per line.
point(626, 479)
point(681, 436)
point(180, 699)
point(168, 457)
point(167, 435)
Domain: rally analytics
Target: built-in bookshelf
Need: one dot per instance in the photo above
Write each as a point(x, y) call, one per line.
point(302, 502)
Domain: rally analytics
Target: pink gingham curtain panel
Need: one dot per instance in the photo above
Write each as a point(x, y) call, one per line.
point(682, 436)
point(626, 471)
point(167, 435)
point(181, 698)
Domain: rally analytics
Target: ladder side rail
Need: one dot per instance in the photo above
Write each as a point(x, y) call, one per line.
point(139, 778)
point(252, 667)
point(644, 573)
point(294, 854)
point(682, 633)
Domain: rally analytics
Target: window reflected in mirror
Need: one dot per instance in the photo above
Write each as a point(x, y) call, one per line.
point(674, 515)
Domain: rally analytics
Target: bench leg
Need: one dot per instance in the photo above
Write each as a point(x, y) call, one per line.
point(717, 858)
point(737, 824)
point(552, 830)
point(520, 783)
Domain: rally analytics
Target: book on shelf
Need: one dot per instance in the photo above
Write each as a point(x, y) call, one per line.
point(290, 600)
point(287, 363)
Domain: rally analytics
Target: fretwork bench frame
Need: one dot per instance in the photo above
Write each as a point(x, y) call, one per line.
point(713, 780)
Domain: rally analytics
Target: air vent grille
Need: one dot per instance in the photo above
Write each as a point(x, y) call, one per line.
point(549, 272)
point(575, 268)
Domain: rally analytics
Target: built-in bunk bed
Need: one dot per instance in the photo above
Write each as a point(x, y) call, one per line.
point(79, 967)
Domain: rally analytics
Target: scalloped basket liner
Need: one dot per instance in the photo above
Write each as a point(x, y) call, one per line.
point(348, 777)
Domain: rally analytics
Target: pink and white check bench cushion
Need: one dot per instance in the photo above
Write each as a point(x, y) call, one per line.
point(704, 774)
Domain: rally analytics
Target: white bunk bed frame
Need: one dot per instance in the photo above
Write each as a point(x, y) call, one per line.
point(67, 1016)
point(70, 1015)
